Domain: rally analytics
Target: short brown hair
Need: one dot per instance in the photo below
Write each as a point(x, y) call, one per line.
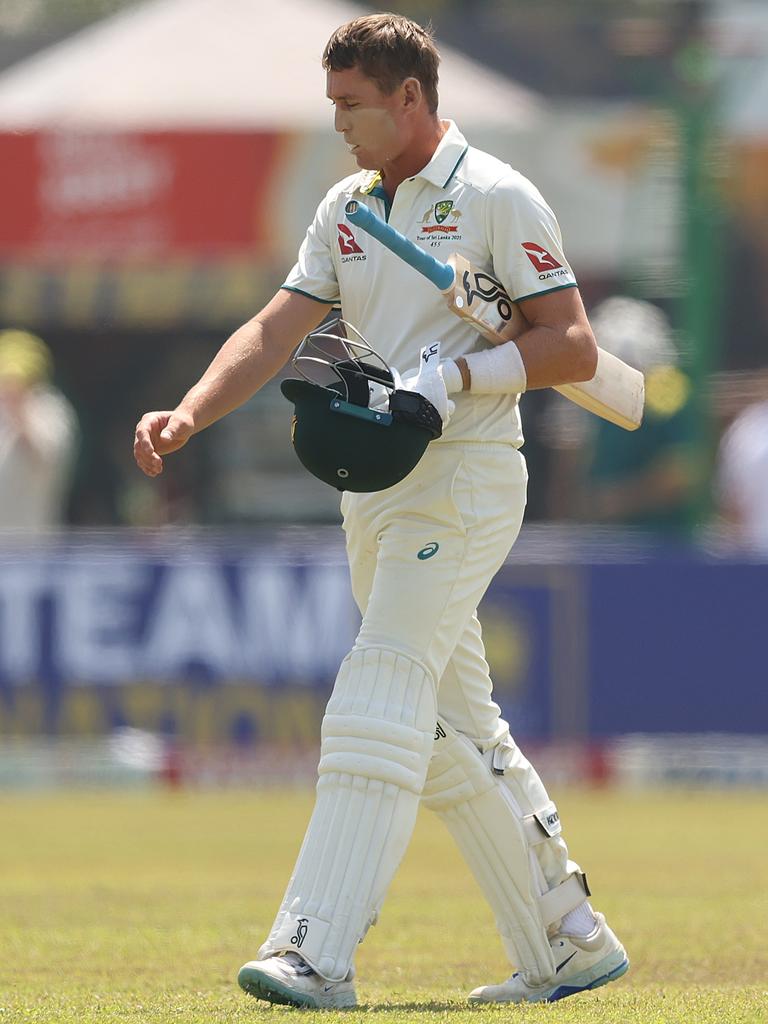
point(388, 48)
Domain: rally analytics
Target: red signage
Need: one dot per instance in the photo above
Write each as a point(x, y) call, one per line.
point(71, 195)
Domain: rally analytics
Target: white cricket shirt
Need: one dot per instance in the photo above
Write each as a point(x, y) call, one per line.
point(463, 201)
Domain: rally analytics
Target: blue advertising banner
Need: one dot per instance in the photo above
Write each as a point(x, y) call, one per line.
point(678, 647)
point(219, 641)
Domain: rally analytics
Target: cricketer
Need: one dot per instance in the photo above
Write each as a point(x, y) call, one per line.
point(411, 719)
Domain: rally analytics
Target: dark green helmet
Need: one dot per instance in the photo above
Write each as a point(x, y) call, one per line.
point(353, 427)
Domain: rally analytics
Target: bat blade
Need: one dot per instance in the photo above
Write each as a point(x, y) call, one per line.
point(616, 392)
point(482, 301)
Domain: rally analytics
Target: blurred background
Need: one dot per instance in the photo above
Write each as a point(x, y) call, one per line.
point(160, 162)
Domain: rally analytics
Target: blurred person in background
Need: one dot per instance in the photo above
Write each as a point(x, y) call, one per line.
point(646, 478)
point(741, 478)
point(38, 435)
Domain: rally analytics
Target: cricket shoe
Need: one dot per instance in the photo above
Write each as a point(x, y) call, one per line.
point(290, 980)
point(583, 963)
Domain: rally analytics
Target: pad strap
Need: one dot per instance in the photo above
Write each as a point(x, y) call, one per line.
point(542, 825)
point(565, 897)
point(494, 839)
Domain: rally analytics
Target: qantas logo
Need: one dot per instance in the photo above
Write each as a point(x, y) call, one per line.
point(540, 258)
point(347, 244)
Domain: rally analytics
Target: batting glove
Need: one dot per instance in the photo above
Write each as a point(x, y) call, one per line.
point(431, 381)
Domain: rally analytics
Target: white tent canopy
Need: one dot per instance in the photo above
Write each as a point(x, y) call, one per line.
point(233, 64)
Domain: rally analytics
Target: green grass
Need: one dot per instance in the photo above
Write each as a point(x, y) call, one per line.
point(140, 907)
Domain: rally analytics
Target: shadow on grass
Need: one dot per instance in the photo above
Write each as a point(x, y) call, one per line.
point(432, 1006)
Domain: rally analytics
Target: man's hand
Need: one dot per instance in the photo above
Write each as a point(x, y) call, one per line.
point(246, 361)
point(429, 381)
point(160, 433)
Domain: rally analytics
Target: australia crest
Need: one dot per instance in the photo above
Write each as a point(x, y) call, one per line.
point(442, 209)
point(440, 212)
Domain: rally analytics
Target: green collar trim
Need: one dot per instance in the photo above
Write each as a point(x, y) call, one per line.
point(547, 291)
point(379, 193)
point(456, 166)
point(309, 295)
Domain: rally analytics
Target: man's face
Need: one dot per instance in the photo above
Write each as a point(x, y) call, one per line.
point(372, 123)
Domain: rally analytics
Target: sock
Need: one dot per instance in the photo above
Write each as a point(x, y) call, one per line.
point(579, 922)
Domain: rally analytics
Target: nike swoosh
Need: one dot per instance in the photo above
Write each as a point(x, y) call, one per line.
point(327, 988)
point(557, 969)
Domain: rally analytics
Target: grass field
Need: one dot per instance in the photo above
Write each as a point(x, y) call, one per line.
point(140, 907)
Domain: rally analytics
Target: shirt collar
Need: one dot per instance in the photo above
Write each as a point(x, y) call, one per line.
point(451, 150)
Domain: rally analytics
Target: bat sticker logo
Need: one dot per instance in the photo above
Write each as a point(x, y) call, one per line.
point(428, 351)
point(488, 289)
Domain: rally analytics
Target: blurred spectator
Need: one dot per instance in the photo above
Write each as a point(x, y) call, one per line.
point(38, 433)
point(741, 481)
point(648, 477)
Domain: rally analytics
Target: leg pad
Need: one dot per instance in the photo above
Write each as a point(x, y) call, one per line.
point(377, 741)
point(508, 829)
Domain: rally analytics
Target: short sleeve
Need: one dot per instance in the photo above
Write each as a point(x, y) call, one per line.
point(314, 273)
point(524, 239)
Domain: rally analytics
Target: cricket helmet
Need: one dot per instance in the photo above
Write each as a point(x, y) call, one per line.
point(353, 427)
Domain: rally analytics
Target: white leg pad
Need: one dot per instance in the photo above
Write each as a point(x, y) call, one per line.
point(529, 799)
point(502, 842)
point(377, 739)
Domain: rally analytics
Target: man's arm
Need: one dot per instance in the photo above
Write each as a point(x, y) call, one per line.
point(245, 362)
point(557, 346)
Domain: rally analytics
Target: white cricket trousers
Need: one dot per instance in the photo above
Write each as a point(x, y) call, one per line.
point(421, 556)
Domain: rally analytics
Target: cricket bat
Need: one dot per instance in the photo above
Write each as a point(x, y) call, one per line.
point(617, 390)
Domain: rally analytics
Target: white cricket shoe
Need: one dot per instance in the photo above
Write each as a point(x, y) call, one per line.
point(582, 963)
point(289, 979)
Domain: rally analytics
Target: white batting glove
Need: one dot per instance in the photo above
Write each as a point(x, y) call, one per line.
point(448, 370)
point(430, 381)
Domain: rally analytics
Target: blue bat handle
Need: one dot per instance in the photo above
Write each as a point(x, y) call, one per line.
point(440, 274)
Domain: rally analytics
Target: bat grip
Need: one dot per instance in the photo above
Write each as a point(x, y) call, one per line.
point(440, 274)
